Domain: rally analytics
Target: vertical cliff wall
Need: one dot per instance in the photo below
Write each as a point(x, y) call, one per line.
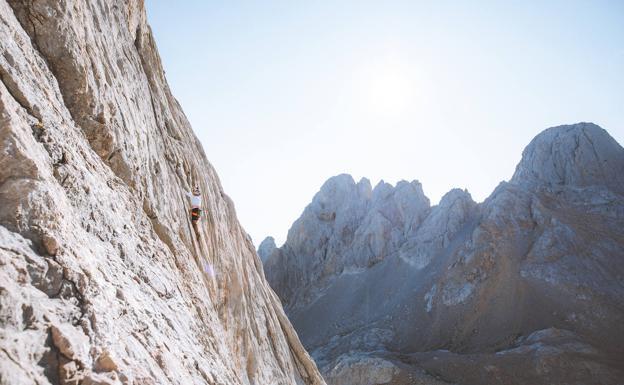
point(101, 278)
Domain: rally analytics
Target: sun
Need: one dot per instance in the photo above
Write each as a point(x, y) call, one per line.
point(390, 92)
point(389, 88)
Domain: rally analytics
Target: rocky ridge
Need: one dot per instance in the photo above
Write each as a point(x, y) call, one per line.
point(101, 278)
point(523, 288)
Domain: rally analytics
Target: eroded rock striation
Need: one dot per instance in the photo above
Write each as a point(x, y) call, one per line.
point(101, 278)
point(526, 287)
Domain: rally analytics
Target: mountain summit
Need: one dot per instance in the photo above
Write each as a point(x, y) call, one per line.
point(579, 155)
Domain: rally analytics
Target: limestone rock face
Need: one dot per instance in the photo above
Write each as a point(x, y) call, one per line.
point(524, 288)
point(348, 227)
point(581, 155)
point(102, 280)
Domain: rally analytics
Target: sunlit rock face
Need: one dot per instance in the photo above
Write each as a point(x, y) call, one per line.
point(101, 278)
point(523, 288)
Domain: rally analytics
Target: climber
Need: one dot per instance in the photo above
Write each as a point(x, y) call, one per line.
point(195, 208)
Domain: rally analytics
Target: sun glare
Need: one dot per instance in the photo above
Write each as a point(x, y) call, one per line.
point(390, 92)
point(389, 88)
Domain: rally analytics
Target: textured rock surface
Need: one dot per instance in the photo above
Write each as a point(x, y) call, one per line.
point(348, 227)
point(101, 278)
point(524, 288)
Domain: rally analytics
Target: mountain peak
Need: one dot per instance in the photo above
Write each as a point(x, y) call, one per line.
point(577, 155)
point(266, 248)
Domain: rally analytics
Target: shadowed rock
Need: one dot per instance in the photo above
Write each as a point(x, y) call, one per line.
point(266, 248)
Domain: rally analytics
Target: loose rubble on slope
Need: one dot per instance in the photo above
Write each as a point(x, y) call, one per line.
point(101, 278)
point(524, 288)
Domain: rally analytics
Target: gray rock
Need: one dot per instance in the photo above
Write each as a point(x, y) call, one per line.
point(579, 155)
point(266, 248)
point(102, 280)
point(532, 273)
point(348, 227)
point(361, 370)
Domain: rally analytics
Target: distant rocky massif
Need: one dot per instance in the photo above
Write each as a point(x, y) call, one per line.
point(526, 287)
point(102, 281)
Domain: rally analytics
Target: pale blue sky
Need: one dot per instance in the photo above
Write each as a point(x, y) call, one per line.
point(285, 94)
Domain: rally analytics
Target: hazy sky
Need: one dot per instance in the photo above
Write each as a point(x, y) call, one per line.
point(285, 94)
